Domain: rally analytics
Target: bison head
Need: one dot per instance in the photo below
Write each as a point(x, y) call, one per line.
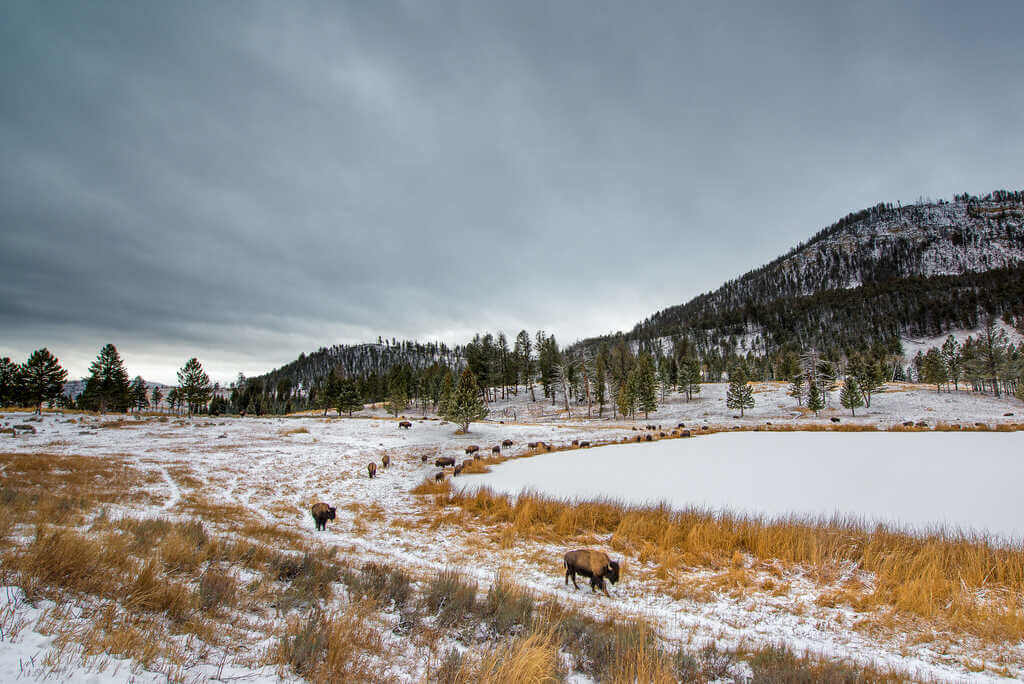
point(331, 512)
point(612, 571)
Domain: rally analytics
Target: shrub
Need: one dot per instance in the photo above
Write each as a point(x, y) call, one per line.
point(450, 596)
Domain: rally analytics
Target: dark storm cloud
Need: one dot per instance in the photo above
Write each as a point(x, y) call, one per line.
point(247, 181)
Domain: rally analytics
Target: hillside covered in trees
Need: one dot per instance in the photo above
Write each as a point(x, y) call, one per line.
point(871, 277)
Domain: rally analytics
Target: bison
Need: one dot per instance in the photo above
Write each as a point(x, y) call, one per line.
point(593, 564)
point(681, 425)
point(472, 449)
point(423, 458)
point(576, 442)
point(531, 445)
point(496, 449)
point(372, 469)
point(649, 438)
point(834, 419)
point(439, 476)
point(385, 461)
point(444, 461)
point(506, 443)
point(321, 513)
point(584, 445)
point(458, 469)
point(405, 424)
point(685, 433)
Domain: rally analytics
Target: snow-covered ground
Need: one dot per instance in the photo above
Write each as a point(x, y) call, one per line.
point(966, 481)
point(276, 468)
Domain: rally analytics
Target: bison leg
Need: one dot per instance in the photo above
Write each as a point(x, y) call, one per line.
point(571, 574)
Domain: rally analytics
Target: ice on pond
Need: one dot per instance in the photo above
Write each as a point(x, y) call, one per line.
point(968, 481)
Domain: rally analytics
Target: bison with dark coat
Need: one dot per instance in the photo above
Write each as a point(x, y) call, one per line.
point(593, 564)
point(458, 469)
point(439, 476)
point(322, 513)
point(385, 461)
point(372, 470)
point(472, 449)
point(506, 442)
point(423, 458)
point(496, 449)
point(584, 445)
point(405, 424)
point(444, 461)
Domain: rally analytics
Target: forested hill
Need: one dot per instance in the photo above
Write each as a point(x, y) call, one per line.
point(874, 275)
point(364, 361)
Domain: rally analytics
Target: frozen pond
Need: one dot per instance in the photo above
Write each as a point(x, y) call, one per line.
point(970, 481)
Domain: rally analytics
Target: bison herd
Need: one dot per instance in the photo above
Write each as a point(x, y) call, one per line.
point(595, 565)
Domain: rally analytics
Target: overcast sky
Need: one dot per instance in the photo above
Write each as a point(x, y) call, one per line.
point(243, 182)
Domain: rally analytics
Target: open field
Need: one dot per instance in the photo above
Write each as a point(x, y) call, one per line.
point(184, 549)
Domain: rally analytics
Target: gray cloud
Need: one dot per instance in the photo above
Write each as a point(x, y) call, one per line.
point(245, 181)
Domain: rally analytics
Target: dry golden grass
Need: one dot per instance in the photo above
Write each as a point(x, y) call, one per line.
point(294, 431)
point(938, 575)
point(332, 647)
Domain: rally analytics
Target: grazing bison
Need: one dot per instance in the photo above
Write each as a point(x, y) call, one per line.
point(649, 438)
point(444, 461)
point(423, 458)
point(496, 449)
point(372, 469)
point(834, 419)
point(681, 425)
point(472, 449)
point(458, 469)
point(385, 461)
point(439, 476)
point(583, 445)
point(405, 424)
point(531, 445)
point(321, 513)
point(506, 443)
point(575, 442)
point(685, 433)
point(593, 564)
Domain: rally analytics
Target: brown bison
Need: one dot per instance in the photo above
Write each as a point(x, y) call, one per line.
point(584, 445)
point(472, 449)
point(496, 449)
point(593, 564)
point(423, 458)
point(575, 442)
point(385, 461)
point(405, 424)
point(439, 476)
point(649, 438)
point(531, 445)
point(444, 461)
point(458, 469)
point(506, 442)
point(372, 469)
point(321, 513)
point(685, 433)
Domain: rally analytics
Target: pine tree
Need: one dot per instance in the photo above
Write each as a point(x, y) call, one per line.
point(646, 386)
point(107, 387)
point(625, 399)
point(796, 389)
point(155, 397)
point(933, 370)
point(348, 398)
point(952, 356)
point(465, 405)
point(689, 376)
point(739, 395)
point(137, 392)
point(1020, 389)
point(42, 378)
point(600, 382)
point(447, 394)
point(871, 380)
point(850, 396)
point(194, 387)
point(10, 375)
point(815, 401)
point(398, 400)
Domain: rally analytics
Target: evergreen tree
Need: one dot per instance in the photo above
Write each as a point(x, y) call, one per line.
point(933, 370)
point(194, 387)
point(646, 385)
point(155, 397)
point(870, 378)
point(42, 378)
point(689, 376)
point(108, 387)
point(850, 396)
point(10, 376)
point(348, 398)
point(739, 395)
point(398, 400)
point(815, 401)
point(447, 394)
point(952, 356)
point(600, 381)
point(465, 405)
point(137, 392)
point(625, 399)
point(1019, 394)
point(796, 388)
point(989, 358)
